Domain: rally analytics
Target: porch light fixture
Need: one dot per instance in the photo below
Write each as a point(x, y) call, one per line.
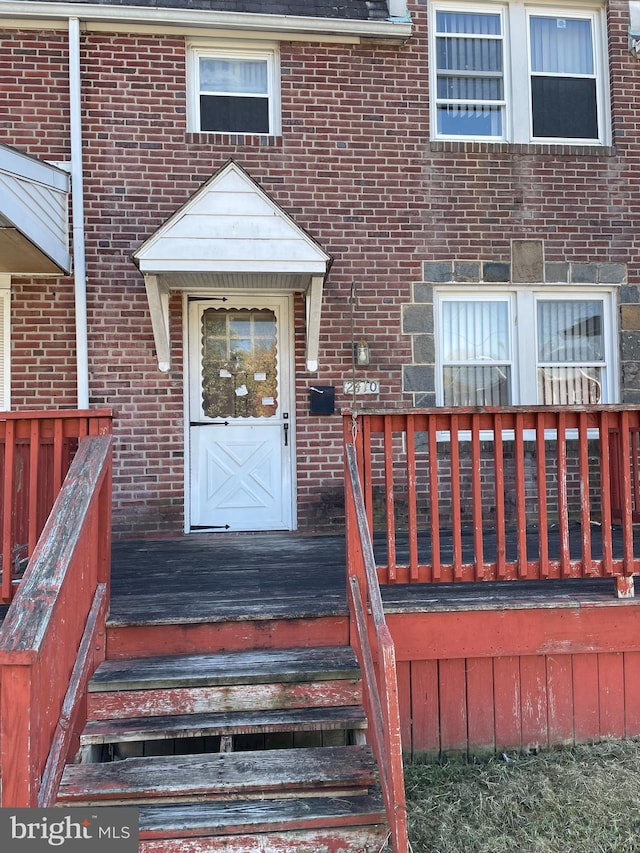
point(361, 353)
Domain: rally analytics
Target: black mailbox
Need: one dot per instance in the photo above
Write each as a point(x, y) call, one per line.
point(322, 399)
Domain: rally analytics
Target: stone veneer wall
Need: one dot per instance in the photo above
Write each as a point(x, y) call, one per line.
point(527, 267)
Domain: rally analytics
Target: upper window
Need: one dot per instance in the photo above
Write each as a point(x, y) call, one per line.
point(488, 358)
point(518, 73)
point(234, 90)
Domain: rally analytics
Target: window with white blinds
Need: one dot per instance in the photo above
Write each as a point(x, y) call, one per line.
point(516, 71)
point(571, 353)
point(5, 386)
point(476, 353)
point(525, 347)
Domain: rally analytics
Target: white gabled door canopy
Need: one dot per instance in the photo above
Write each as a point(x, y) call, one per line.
point(231, 235)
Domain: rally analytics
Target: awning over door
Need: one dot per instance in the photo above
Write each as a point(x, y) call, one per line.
point(231, 235)
point(34, 224)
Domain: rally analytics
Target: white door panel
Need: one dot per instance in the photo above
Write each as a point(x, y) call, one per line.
point(240, 448)
point(237, 477)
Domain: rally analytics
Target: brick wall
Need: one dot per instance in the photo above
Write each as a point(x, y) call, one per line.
point(354, 166)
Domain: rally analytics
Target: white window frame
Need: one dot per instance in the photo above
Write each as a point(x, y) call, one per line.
point(524, 333)
point(518, 118)
point(485, 297)
point(5, 342)
point(479, 8)
point(265, 51)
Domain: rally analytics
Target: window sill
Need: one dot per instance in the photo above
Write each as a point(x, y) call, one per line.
point(248, 139)
point(530, 148)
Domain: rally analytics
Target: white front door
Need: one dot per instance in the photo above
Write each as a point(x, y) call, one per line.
point(241, 418)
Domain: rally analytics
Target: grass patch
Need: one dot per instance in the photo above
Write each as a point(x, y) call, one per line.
point(584, 799)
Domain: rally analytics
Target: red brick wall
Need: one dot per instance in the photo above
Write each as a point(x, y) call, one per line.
point(354, 167)
point(34, 102)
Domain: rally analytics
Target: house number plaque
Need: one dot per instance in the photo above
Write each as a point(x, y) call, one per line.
point(363, 386)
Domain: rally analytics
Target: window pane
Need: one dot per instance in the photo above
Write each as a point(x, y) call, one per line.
point(561, 45)
point(475, 334)
point(564, 107)
point(569, 386)
point(570, 336)
point(457, 120)
point(233, 75)
point(469, 55)
point(564, 99)
point(227, 114)
point(239, 363)
point(475, 331)
point(477, 386)
point(468, 24)
point(570, 331)
point(469, 87)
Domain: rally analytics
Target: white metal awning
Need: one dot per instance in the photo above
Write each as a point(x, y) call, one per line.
point(231, 235)
point(34, 223)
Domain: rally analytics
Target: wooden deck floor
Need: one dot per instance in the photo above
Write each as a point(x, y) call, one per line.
point(221, 577)
point(226, 577)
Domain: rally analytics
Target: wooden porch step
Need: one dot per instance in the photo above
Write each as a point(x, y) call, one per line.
point(350, 839)
point(225, 668)
point(184, 820)
point(302, 824)
point(263, 774)
point(220, 724)
point(224, 682)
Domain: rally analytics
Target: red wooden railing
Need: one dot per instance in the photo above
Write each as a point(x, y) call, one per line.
point(52, 637)
point(501, 494)
point(374, 647)
point(36, 449)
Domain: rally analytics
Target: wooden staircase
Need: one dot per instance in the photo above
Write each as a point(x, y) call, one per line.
point(240, 751)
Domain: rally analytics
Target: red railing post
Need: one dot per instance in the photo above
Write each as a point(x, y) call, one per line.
point(19, 736)
point(498, 472)
point(476, 500)
point(521, 508)
point(389, 501)
point(456, 521)
point(412, 497)
point(434, 497)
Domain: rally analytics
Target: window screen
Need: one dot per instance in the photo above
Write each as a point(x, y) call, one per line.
point(563, 84)
point(234, 95)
